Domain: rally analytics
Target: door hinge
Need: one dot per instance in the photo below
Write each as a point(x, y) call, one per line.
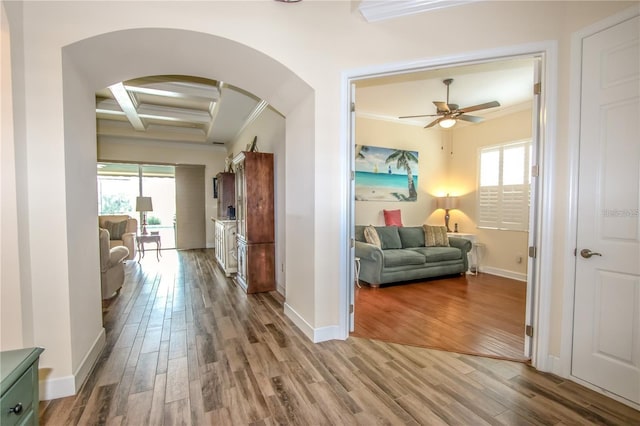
point(353, 107)
point(537, 88)
point(351, 308)
point(353, 242)
point(533, 252)
point(528, 330)
point(353, 175)
point(535, 171)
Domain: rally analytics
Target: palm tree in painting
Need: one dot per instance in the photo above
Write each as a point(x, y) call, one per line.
point(403, 160)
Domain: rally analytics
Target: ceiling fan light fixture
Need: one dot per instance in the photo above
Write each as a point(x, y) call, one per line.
point(447, 123)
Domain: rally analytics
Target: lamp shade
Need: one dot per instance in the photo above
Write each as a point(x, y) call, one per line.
point(144, 204)
point(447, 202)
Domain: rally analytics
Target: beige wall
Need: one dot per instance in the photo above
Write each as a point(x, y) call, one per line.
point(432, 162)
point(499, 248)
point(55, 124)
point(448, 163)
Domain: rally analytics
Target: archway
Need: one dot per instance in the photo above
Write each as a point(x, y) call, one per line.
point(97, 62)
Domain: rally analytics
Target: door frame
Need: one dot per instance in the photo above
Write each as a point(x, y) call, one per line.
point(570, 259)
point(542, 281)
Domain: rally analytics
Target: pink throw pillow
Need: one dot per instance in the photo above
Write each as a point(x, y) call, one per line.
point(392, 217)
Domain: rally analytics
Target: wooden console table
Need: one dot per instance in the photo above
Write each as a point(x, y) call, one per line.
point(148, 238)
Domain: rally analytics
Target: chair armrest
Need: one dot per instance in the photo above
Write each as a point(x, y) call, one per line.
point(117, 255)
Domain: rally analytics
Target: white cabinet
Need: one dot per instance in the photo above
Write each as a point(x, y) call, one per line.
point(225, 245)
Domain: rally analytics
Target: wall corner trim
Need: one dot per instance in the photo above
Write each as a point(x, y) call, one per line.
point(316, 335)
point(60, 387)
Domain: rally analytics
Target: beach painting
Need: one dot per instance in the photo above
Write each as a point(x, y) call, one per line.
point(386, 174)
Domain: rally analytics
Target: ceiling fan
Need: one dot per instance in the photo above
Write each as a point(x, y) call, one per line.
point(448, 113)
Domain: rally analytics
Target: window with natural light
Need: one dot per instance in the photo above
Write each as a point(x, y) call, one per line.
point(120, 183)
point(504, 186)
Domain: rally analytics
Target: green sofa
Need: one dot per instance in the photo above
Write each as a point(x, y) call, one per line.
point(404, 257)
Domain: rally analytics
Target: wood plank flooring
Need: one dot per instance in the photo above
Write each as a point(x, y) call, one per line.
point(472, 314)
point(186, 346)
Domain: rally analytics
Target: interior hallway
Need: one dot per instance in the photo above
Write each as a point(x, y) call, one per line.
point(186, 346)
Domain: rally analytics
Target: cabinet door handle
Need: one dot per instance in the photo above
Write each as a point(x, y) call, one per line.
point(17, 409)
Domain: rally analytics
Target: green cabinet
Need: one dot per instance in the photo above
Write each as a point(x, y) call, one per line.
point(19, 386)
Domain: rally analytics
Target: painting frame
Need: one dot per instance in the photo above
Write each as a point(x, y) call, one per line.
point(386, 174)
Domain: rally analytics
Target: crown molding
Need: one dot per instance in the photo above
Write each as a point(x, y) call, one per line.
point(379, 10)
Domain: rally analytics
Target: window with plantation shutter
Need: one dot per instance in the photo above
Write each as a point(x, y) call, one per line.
point(504, 186)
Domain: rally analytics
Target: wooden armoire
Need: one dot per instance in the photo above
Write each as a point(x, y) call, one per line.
point(255, 221)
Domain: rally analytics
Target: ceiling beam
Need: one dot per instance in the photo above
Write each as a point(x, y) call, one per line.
point(128, 105)
point(213, 112)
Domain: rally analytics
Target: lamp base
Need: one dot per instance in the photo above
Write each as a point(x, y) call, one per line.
point(446, 220)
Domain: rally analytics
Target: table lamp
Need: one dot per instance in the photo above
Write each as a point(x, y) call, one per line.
point(447, 203)
point(144, 205)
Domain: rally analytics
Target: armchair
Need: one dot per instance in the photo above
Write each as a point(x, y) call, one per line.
point(111, 265)
point(128, 237)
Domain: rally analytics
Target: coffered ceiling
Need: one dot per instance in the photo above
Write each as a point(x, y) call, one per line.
point(175, 108)
point(199, 111)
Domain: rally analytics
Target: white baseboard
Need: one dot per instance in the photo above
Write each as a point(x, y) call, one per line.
point(504, 273)
point(554, 366)
point(316, 335)
point(69, 385)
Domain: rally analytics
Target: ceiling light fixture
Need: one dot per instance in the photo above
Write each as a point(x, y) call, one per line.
point(447, 123)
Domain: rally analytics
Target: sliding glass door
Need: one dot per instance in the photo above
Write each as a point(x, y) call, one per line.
point(119, 184)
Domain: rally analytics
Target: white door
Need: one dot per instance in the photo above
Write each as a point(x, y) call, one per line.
point(606, 338)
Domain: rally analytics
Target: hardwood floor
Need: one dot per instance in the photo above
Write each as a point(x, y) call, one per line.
point(472, 314)
point(186, 346)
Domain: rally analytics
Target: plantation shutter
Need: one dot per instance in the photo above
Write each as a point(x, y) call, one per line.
point(504, 187)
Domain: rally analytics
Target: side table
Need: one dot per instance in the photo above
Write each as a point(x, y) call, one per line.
point(148, 238)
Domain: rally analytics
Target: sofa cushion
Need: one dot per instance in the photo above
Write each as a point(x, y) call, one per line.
point(371, 236)
point(389, 237)
point(401, 257)
point(438, 254)
point(435, 236)
point(392, 217)
point(411, 236)
point(116, 229)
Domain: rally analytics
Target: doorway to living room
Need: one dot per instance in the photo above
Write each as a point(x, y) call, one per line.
point(444, 172)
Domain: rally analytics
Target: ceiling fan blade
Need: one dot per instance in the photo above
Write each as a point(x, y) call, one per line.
point(470, 118)
point(442, 106)
point(421, 115)
point(486, 105)
point(433, 123)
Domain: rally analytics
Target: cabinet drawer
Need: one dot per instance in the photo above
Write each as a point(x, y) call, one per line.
point(20, 393)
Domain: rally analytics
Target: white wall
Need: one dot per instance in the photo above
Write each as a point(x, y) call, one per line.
point(10, 290)
point(232, 41)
